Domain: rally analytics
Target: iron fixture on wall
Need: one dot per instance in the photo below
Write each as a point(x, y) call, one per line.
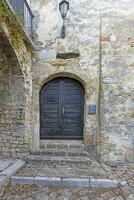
point(63, 7)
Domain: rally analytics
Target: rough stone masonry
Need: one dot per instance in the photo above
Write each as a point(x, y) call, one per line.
point(15, 85)
point(102, 34)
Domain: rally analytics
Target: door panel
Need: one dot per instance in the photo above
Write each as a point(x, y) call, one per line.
point(61, 109)
point(49, 110)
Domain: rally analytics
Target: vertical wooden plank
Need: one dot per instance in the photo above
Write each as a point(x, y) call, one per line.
point(62, 104)
point(49, 110)
point(74, 106)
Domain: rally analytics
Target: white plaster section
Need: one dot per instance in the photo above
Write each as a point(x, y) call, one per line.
point(49, 18)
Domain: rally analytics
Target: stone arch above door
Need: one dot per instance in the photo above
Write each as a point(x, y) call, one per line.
point(42, 80)
point(90, 95)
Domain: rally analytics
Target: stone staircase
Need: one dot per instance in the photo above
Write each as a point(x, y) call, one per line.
point(62, 164)
point(54, 170)
point(61, 153)
point(63, 160)
point(61, 150)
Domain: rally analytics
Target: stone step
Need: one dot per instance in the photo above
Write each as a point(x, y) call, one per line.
point(62, 146)
point(57, 181)
point(59, 159)
point(59, 152)
point(61, 169)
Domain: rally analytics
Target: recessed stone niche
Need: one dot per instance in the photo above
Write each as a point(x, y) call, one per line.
point(68, 55)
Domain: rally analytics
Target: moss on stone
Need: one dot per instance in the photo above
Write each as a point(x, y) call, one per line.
point(9, 19)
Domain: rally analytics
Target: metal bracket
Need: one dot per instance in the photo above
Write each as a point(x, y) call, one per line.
point(92, 109)
point(63, 31)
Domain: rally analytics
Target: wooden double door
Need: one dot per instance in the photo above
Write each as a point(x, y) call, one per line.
point(61, 109)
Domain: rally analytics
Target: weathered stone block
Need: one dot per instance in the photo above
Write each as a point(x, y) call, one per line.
point(22, 180)
point(81, 182)
point(103, 183)
point(13, 168)
point(47, 181)
point(3, 180)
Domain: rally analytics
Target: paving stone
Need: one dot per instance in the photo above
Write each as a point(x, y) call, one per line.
point(75, 189)
point(62, 170)
point(4, 163)
point(22, 180)
point(62, 146)
point(3, 180)
point(103, 183)
point(60, 153)
point(47, 181)
point(6, 174)
point(117, 198)
point(13, 168)
point(131, 197)
point(75, 182)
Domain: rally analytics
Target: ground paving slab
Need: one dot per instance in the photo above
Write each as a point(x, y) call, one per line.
point(34, 192)
point(124, 174)
point(5, 163)
point(8, 168)
point(79, 182)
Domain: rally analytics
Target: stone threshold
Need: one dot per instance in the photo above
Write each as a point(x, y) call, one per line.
point(62, 144)
point(6, 174)
point(57, 181)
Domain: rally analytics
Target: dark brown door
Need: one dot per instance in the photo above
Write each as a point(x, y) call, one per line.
point(61, 109)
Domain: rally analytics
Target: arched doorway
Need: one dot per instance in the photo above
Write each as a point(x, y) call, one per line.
point(62, 109)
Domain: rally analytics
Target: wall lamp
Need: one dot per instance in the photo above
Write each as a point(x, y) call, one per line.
point(63, 7)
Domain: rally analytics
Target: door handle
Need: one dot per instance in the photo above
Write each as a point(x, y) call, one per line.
point(63, 110)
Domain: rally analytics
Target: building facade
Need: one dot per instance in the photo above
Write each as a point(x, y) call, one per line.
point(80, 87)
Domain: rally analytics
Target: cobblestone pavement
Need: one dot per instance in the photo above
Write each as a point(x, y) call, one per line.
point(125, 191)
point(25, 192)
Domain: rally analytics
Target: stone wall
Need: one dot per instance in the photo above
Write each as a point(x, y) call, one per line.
point(117, 94)
point(15, 86)
point(82, 37)
point(11, 110)
point(102, 32)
